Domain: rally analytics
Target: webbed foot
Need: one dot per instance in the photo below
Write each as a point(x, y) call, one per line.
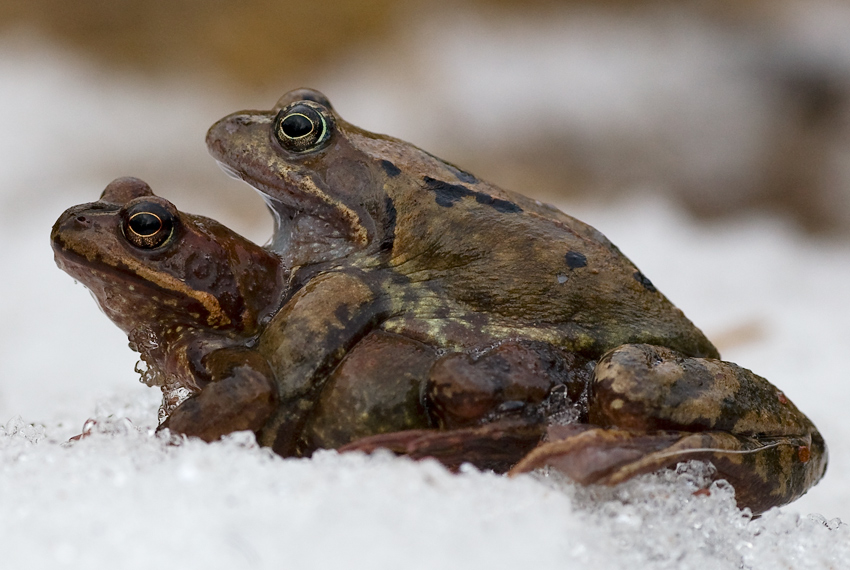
point(765, 471)
point(652, 407)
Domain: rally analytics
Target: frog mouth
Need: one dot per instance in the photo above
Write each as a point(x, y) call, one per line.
point(283, 213)
point(230, 171)
point(284, 194)
point(275, 205)
point(244, 139)
point(287, 203)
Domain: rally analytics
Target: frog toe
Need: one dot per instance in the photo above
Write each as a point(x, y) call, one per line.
point(591, 455)
point(241, 401)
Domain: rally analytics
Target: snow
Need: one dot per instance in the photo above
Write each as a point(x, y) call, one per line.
point(774, 299)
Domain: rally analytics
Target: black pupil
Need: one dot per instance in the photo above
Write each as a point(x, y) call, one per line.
point(296, 125)
point(145, 224)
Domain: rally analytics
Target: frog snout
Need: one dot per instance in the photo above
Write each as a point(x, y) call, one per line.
point(66, 220)
point(76, 225)
point(82, 221)
point(71, 220)
point(225, 134)
point(79, 236)
point(240, 145)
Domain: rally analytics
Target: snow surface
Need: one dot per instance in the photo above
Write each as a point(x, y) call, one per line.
point(774, 300)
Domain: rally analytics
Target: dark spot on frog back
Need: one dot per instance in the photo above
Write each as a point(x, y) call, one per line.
point(499, 205)
point(391, 169)
point(447, 194)
point(575, 259)
point(462, 175)
point(342, 313)
point(644, 280)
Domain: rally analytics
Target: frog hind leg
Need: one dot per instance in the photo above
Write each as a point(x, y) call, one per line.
point(490, 406)
point(375, 389)
point(495, 446)
point(652, 407)
point(516, 377)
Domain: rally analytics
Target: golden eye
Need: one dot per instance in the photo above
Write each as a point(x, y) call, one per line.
point(148, 225)
point(302, 127)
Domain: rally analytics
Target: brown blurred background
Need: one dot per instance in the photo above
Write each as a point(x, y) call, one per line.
point(728, 106)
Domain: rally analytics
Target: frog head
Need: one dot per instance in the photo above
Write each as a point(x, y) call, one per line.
point(152, 267)
point(328, 183)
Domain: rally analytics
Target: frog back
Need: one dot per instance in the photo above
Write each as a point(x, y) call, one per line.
point(523, 264)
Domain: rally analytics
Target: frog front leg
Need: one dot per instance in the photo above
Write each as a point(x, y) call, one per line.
point(652, 407)
point(305, 341)
point(241, 395)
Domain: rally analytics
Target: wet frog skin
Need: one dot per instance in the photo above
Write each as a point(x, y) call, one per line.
point(190, 294)
point(383, 236)
point(194, 298)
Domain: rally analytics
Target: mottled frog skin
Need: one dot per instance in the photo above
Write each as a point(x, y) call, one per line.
point(403, 303)
point(191, 295)
point(381, 235)
point(194, 298)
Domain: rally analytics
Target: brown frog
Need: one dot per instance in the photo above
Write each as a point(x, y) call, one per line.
point(524, 304)
point(194, 298)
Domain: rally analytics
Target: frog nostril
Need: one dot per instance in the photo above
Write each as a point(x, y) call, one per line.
point(83, 221)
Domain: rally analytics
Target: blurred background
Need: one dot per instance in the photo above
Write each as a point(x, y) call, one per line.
point(726, 105)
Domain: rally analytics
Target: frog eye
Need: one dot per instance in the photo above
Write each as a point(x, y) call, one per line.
point(301, 127)
point(148, 225)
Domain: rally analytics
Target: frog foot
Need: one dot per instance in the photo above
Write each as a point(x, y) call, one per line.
point(609, 456)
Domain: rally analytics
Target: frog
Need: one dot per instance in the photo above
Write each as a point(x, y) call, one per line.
point(191, 310)
point(522, 301)
point(193, 298)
